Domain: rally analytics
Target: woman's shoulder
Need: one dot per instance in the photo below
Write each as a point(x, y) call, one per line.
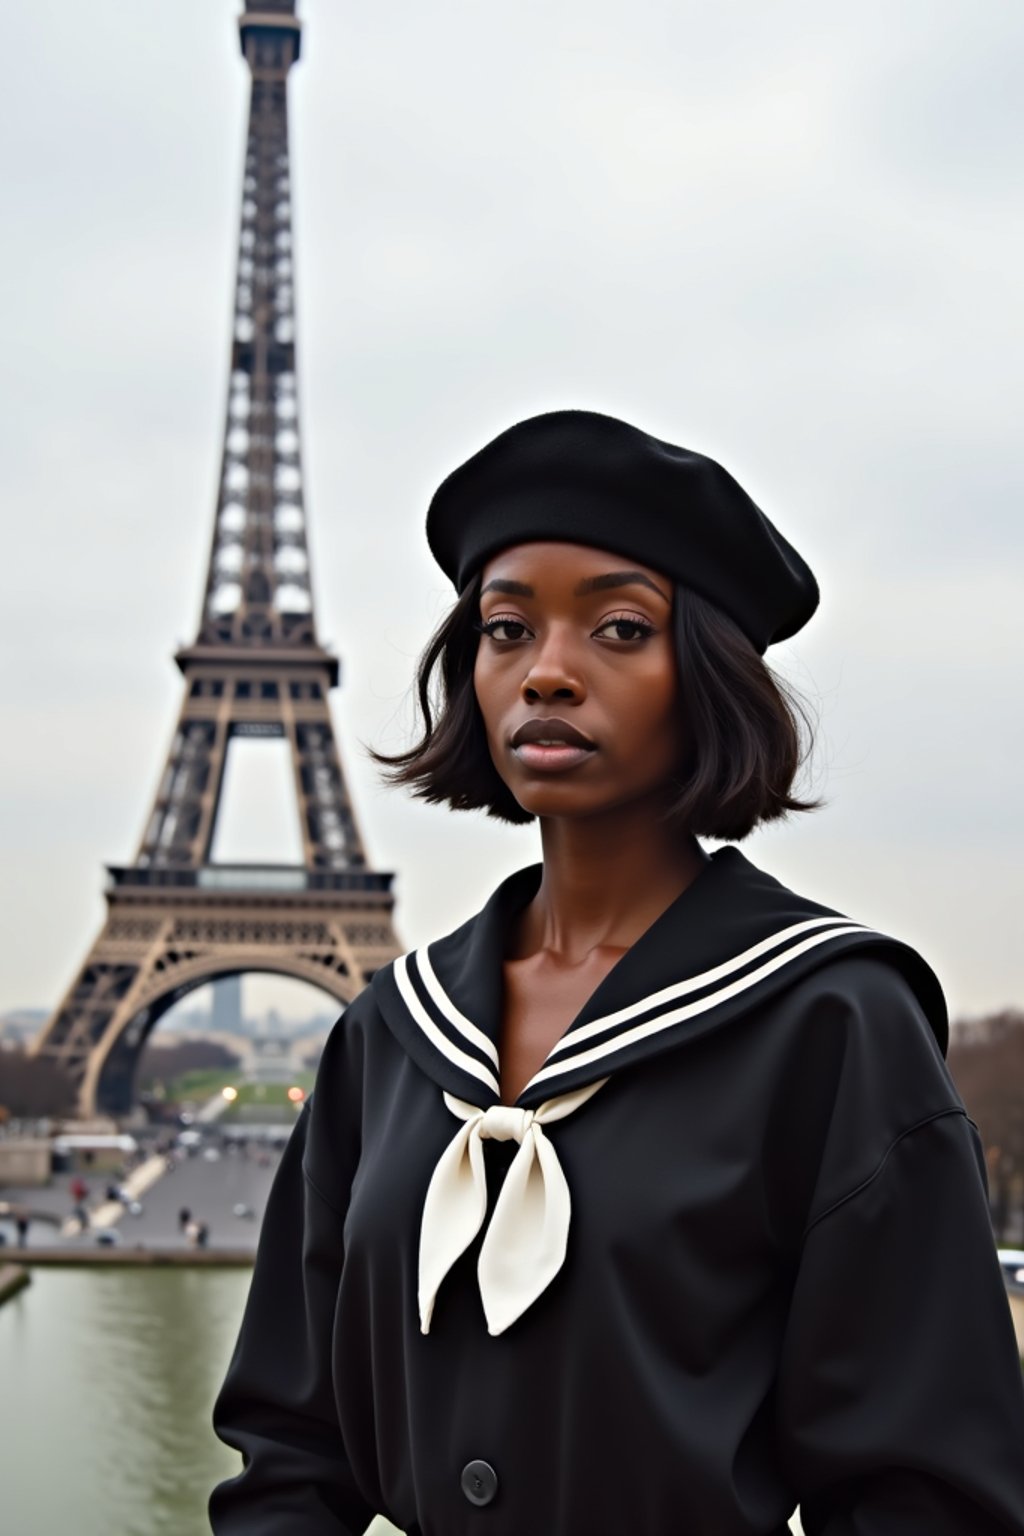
point(864, 1065)
point(841, 958)
point(859, 1021)
point(873, 990)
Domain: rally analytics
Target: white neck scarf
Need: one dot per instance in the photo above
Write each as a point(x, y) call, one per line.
point(524, 1246)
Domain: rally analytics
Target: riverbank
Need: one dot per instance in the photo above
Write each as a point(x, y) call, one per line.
point(121, 1258)
point(13, 1278)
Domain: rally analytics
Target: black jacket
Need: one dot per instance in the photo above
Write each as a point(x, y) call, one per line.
point(779, 1285)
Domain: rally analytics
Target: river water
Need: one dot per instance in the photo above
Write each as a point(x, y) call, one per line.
point(107, 1381)
point(107, 1378)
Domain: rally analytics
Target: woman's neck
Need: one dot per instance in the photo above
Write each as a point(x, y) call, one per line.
point(605, 881)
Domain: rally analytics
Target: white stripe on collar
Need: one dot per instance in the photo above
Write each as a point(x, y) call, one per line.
point(688, 1010)
point(692, 984)
point(452, 1052)
point(444, 1003)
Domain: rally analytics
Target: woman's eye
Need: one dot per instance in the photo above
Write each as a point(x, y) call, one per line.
point(503, 629)
point(626, 627)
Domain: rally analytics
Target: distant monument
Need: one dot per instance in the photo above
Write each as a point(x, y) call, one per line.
point(257, 669)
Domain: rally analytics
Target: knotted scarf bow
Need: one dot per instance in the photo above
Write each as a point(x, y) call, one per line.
point(524, 1246)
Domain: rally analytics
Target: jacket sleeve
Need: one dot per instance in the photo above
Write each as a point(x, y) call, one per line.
point(900, 1406)
point(277, 1403)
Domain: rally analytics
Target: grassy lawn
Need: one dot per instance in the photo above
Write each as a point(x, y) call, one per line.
point(268, 1095)
point(263, 1100)
point(202, 1084)
point(273, 1093)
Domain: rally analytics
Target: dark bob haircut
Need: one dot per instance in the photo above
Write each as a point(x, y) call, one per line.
point(745, 727)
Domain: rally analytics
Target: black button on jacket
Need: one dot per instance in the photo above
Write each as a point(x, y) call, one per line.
point(779, 1283)
point(479, 1482)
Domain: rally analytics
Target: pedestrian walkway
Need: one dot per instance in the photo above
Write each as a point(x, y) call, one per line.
point(220, 1182)
point(137, 1183)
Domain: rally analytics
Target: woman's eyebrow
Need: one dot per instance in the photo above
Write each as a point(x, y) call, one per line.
point(617, 579)
point(510, 588)
point(591, 584)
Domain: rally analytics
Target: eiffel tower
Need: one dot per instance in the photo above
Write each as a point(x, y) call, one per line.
point(175, 919)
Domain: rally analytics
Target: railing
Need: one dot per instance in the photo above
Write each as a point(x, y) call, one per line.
point(246, 877)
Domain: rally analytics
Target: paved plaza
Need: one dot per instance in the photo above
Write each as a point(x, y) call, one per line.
point(222, 1183)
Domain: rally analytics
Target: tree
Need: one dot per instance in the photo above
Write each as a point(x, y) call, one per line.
point(986, 1058)
point(165, 1063)
point(34, 1087)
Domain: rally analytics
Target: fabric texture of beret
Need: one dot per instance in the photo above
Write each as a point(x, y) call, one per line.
point(586, 478)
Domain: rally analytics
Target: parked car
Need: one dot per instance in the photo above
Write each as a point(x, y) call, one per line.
point(1012, 1263)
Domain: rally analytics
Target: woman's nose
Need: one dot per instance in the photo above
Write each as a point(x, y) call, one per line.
point(553, 674)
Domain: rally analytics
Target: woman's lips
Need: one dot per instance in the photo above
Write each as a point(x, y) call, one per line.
point(554, 757)
point(550, 745)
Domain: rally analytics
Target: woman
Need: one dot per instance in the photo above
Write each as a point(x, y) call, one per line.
point(643, 1203)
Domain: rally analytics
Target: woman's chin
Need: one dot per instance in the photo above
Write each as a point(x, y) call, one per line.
point(558, 798)
point(547, 800)
point(564, 802)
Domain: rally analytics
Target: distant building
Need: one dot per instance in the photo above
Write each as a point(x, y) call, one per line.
point(21, 1025)
point(226, 1017)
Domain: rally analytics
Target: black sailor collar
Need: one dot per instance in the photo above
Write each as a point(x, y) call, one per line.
point(733, 939)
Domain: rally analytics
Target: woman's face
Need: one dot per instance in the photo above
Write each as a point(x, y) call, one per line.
point(576, 678)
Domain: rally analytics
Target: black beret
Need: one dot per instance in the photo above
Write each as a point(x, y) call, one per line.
point(591, 479)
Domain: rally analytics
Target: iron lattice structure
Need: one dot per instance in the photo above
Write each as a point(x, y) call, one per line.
point(175, 919)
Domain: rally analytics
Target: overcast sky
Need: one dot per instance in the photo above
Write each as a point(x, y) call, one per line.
point(786, 235)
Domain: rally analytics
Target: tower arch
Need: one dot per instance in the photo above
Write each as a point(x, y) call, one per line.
point(111, 1083)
